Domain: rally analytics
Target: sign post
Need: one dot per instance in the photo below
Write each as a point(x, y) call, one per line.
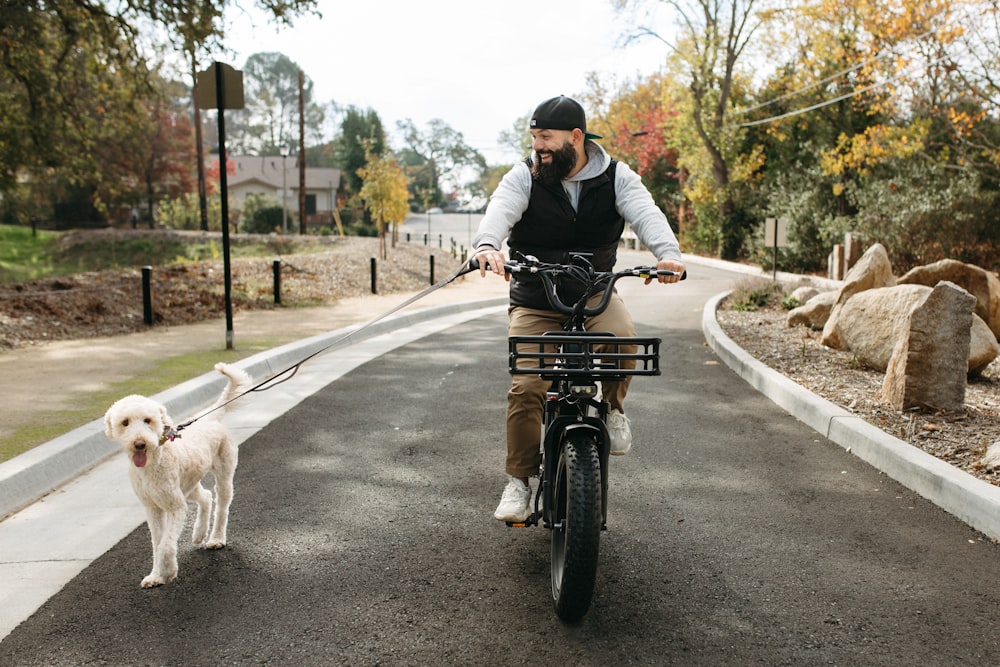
point(221, 87)
point(775, 235)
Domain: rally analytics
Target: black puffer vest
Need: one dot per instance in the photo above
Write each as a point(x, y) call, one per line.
point(550, 229)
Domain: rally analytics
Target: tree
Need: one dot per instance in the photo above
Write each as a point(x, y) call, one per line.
point(361, 133)
point(385, 194)
point(639, 128)
point(269, 121)
point(71, 69)
point(712, 38)
point(438, 160)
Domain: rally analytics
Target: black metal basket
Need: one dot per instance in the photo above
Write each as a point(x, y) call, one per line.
point(559, 355)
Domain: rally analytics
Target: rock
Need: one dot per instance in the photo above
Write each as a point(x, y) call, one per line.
point(804, 293)
point(871, 324)
point(980, 283)
point(930, 362)
point(983, 347)
point(814, 313)
point(991, 459)
point(872, 271)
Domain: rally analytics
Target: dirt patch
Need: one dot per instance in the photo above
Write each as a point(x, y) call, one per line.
point(107, 303)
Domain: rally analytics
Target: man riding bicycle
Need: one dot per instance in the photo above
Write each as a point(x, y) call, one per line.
point(569, 195)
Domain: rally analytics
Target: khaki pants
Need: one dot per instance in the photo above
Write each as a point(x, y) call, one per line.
point(526, 398)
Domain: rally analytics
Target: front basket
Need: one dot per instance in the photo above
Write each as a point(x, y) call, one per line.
point(558, 355)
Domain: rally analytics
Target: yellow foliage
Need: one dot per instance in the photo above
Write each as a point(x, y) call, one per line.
point(878, 143)
point(384, 190)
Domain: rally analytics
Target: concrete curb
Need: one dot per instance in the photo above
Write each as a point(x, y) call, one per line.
point(35, 473)
point(969, 499)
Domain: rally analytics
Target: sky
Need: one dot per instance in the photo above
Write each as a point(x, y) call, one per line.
point(476, 66)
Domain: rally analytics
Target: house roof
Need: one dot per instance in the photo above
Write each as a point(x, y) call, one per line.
point(268, 170)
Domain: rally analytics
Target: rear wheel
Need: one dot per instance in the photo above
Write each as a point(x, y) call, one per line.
point(576, 531)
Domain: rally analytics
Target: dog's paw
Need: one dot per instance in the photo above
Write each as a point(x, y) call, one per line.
point(152, 581)
point(215, 544)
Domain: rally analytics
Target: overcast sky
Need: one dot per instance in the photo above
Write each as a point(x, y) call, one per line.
point(477, 66)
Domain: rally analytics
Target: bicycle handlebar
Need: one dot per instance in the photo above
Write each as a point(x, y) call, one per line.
point(548, 273)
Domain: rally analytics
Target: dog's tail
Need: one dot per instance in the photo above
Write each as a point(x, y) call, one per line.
point(238, 383)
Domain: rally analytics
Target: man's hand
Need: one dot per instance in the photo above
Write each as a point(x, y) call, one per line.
point(669, 265)
point(486, 255)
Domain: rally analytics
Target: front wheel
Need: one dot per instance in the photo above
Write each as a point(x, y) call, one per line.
point(576, 532)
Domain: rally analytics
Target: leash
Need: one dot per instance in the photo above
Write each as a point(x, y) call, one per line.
point(274, 381)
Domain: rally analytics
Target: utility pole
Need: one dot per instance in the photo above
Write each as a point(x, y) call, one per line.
point(302, 154)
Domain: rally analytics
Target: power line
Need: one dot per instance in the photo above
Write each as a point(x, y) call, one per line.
point(826, 103)
point(824, 81)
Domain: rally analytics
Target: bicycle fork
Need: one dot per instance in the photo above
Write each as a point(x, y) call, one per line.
point(562, 417)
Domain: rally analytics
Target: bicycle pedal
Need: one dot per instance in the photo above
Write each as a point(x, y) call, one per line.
point(532, 520)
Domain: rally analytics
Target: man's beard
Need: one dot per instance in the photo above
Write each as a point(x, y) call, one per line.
point(554, 171)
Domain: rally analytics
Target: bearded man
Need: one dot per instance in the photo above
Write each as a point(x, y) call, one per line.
point(568, 196)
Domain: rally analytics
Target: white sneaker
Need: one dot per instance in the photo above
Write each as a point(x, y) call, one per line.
point(515, 503)
point(621, 433)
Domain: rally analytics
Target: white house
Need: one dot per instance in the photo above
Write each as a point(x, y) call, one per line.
point(278, 178)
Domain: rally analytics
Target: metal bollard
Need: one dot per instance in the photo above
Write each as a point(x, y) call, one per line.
point(432, 269)
point(374, 288)
point(276, 269)
point(147, 295)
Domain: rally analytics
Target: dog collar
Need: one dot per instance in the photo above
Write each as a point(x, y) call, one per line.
point(168, 434)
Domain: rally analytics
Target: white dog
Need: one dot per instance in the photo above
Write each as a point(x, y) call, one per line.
point(167, 468)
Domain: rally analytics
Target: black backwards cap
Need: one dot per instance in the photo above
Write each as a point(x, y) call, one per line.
point(561, 113)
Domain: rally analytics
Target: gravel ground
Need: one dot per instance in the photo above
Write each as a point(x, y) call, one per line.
point(958, 438)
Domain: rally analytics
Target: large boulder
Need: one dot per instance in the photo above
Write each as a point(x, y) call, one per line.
point(872, 322)
point(980, 283)
point(872, 271)
point(929, 363)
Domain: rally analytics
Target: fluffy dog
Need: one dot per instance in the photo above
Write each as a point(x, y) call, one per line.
point(167, 469)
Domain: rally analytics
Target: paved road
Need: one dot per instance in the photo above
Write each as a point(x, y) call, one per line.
point(361, 534)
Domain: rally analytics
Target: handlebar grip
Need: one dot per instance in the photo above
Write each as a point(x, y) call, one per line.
point(473, 265)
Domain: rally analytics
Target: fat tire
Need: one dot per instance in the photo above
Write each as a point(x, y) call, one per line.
point(577, 520)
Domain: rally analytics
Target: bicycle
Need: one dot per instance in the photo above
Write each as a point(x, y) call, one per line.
point(572, 498)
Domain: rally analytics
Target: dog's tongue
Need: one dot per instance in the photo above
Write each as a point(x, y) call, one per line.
point(139, 459)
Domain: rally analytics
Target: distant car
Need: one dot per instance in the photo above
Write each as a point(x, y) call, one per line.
point(434, 211)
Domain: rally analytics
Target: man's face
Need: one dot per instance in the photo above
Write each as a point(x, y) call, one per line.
point(556, 154)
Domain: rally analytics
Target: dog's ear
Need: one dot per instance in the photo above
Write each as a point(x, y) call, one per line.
point(165, 418)
point(107, 424)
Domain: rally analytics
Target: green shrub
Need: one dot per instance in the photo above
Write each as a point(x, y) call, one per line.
point(790, 303)
point(755, 293)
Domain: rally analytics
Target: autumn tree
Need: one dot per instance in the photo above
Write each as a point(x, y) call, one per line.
point(152, 158)
point(707, 58)
point(878, 96)
point(70, 69)
point(385, 194)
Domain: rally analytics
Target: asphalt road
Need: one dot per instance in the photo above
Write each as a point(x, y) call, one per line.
point(361, 533)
